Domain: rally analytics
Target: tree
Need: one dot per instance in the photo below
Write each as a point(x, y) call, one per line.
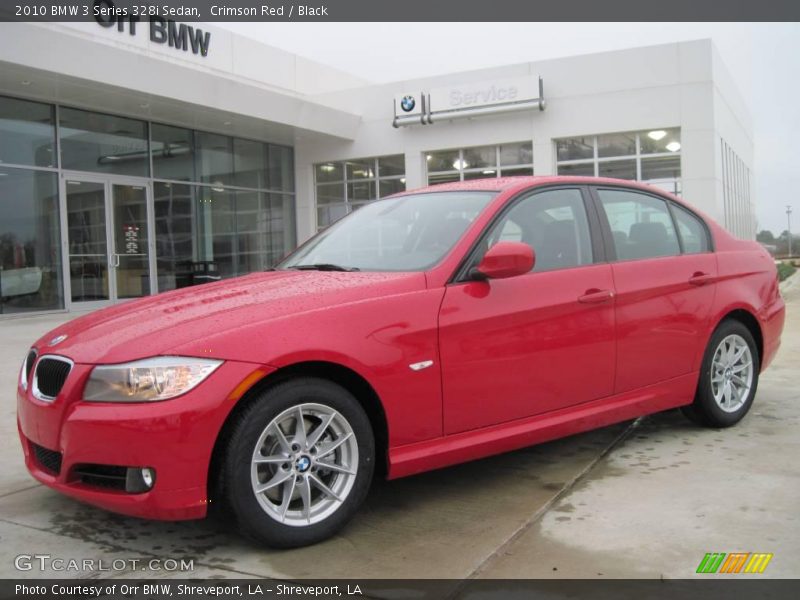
point(765, 236)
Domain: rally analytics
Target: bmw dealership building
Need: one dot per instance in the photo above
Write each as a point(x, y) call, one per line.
point(143, 157)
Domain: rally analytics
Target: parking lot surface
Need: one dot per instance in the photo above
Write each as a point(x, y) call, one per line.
point(638, 499)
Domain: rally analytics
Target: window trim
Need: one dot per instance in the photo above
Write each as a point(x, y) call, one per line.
point(599, 253)
point(608, 238)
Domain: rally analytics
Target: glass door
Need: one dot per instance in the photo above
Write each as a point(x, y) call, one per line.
point(130, 259)
point(87, 242)
point(108, 240)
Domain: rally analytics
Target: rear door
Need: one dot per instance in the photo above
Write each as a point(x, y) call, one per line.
point(517, 347)
point(664, 273)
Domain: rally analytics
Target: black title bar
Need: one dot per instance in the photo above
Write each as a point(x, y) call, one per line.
point(405, 10)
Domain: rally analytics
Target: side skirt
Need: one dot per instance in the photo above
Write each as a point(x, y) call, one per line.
point(504, 437)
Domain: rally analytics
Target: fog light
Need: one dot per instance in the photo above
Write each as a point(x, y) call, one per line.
point(138, 480)
point(149, 477)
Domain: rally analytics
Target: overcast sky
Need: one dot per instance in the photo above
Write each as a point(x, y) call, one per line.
point(763, 58)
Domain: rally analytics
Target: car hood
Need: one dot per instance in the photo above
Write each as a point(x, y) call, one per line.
point(155, 325)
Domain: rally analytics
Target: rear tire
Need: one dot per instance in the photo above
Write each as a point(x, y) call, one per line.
point(728, 377)
point(291, 486)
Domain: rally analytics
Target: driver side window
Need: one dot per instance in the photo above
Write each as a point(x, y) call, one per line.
point(554, 224)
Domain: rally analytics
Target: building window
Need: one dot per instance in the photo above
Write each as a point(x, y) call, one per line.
point(342, 187)
point(30, 249)
point(651, 156)
point(172, 151)
point(479, 162)
point(223, 207)
point(237, 217)
point(103, 143)
point(27, 133)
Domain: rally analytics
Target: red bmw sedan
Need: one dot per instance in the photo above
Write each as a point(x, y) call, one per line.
point(426, 329)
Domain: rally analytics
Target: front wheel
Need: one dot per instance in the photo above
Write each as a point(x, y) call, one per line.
point(728, 377)
point(299, 463)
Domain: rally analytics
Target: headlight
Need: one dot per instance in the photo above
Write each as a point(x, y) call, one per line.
point(147, 380)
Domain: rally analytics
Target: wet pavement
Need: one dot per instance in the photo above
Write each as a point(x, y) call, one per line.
point(643, 499)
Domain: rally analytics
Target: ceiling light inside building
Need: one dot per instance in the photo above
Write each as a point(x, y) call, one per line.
point(657, 135)
point(489, 172)
point(459, 164)
point(674, 146)
point(327, 168)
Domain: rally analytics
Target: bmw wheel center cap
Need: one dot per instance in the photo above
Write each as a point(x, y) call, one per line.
point(302, 464)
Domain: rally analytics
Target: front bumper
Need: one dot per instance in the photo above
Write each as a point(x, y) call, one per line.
point(175, 437)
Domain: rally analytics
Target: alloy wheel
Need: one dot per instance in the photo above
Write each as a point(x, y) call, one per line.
point(304, 464)
point(731, 373)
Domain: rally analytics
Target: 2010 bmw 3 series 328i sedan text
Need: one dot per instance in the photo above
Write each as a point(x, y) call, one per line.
point(421, 331)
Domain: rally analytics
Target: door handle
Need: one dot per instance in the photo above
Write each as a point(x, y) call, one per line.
point(595, 296)
point(114, 261)
point(700, 278)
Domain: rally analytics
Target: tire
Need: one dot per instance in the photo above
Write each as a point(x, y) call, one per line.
point(310, 502)
point(712, 406)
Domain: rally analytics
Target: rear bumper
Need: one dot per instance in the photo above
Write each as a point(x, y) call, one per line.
point(175, 437)
point(772, 318)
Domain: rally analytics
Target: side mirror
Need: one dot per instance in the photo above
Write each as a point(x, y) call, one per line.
point(505, 259)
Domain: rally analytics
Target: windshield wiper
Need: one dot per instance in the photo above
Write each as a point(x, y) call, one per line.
point(323, 267)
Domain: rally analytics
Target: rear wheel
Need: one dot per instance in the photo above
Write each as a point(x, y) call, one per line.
point(299, 463)
point(728, 377)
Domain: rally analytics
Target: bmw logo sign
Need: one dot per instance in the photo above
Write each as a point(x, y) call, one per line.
point(408, 103)
point(57, 340)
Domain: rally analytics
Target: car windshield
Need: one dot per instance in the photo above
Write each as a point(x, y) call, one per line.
point(406, 233)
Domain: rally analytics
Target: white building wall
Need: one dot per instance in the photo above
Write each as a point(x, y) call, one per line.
point(671, 85)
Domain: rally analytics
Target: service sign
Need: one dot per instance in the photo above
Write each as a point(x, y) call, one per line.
point(476, 95)
point(467, 96)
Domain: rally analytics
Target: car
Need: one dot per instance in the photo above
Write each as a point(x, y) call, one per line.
point(423, 330)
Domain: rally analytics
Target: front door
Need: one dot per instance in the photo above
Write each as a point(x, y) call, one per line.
point(108, 224)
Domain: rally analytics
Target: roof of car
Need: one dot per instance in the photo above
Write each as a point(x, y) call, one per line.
point(504, 183)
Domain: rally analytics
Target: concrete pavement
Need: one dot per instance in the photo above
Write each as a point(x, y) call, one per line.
point(643, 500)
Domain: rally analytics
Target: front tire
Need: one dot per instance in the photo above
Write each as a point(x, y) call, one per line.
point(298, 463)
point(728, 377)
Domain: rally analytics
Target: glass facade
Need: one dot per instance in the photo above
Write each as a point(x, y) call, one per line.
point(222, 206)
point(342, 187)
point(505, 160)
point(652, 156)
